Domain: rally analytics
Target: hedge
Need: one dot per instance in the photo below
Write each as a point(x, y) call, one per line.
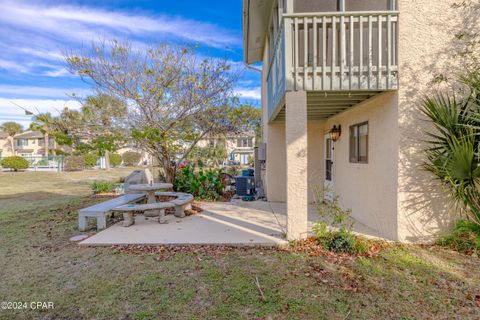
point(15, 163)
point(90, 160)
point(74, 163)
point(115, 159)
point(131, 158)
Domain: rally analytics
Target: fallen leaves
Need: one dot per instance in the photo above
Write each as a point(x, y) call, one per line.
point(166, 252)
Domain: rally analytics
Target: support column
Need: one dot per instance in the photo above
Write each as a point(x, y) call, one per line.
point(297, 173)
point(276, 181)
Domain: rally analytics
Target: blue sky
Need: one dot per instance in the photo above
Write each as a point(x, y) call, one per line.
point(33, 35)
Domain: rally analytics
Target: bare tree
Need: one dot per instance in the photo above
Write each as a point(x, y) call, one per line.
point(175, 97)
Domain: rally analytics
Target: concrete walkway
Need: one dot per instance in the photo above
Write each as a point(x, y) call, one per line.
point(226, 223)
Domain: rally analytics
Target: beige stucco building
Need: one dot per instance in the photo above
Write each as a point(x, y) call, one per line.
point(239, 147)
point(25, 144)
point(362, 66)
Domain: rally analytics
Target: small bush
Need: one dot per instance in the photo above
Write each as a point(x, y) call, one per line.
point(342, 239)
point(131, 158)
point(115, 159)
point(90, 160)
point(464, 238)
point(74, 163)
point(203, 184)
point(15, 163)
point(102, 186)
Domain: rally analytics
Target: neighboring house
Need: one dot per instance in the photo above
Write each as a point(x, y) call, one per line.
point(238, 147)
point(27, 144)
point(361, 68)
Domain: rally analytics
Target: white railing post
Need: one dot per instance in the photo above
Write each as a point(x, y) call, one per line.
point(370, 52)
point(324, 53)
point(350, 78)
point(379, 54)
point(334, 53)
point(305, 52)
point(289, 72)
point(360, 67)
point(314, 52)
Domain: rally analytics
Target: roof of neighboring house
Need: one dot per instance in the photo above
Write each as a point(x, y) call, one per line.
point(245, 134)
point(29, 135)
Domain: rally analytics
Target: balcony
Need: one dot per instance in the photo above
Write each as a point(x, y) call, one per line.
point(339, 58)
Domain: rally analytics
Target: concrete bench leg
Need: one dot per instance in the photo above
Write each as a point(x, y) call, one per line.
point(161, 216)
point(180, 210)
point(101, 222)
point(82, 223)
point(128, 219)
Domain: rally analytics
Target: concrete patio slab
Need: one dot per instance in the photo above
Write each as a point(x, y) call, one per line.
point(221, 223)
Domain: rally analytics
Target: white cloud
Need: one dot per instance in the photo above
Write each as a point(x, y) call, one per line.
point(249, 93)
point(61, 72)
point(81, 23)
point(32, 91)
point(13, 66)
point(9, 111)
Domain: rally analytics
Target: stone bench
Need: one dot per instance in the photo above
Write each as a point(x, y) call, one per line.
point(129, 209)
point(182, 202)
point(101, 210)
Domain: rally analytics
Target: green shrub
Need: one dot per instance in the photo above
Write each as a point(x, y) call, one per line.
point(341, 239)
point(74, 163)
point(115, 159)
point(102, 186)
point(204, 184)
point(90, 160)
point(131, 158)
point(464, 238)
point(15, 163)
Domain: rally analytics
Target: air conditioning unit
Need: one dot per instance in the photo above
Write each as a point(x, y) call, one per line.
point(262, 152)
point(245, 186)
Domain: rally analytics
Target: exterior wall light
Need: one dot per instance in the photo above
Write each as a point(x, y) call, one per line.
point(335, 132)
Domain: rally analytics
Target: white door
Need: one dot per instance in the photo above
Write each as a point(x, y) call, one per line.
point(328, 184)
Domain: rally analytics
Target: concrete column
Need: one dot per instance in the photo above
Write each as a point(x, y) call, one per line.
point(276, 182)
point(297, 173)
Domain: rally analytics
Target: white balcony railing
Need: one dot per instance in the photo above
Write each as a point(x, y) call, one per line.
point(339, 51)
point(276, 72)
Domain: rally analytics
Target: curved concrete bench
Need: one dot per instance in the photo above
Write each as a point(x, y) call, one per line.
point(101, 210)
point(129, 209)
point(182, 202)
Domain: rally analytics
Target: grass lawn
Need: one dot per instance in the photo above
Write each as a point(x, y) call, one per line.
point(38, 263)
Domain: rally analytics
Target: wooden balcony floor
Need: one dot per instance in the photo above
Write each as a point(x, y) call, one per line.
point(323, 105)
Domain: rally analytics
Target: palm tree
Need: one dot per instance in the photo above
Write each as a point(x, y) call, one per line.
point(104, 112)
point(43, 122)
point(12, 129)
point(453, 154)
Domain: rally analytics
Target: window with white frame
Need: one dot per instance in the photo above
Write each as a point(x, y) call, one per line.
point(245, 143)
point(243, 158)
point(22, 142)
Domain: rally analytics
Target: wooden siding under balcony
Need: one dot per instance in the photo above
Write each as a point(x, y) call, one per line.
point(351, 55)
